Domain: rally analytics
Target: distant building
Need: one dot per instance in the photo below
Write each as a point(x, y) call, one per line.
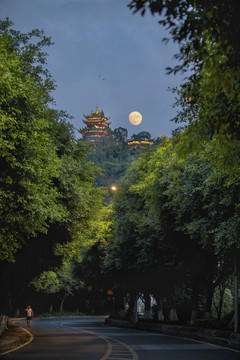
point(141, 140)
point(97, 126)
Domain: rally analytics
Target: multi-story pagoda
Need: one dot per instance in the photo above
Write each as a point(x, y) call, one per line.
point(97, 126)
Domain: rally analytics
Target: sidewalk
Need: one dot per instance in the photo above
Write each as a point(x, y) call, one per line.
point(14, 337)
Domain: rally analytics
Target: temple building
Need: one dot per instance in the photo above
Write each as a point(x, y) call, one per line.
point(141, 140)
point(97, 126)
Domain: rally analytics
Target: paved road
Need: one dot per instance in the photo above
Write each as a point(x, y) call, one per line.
point(89, 339)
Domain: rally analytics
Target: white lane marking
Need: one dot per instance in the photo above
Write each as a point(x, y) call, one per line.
point(144, 333)
point(107, 340)
point(79, 328)
point(20, 346)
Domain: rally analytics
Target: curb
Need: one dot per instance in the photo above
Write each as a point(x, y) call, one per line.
point(14, 338)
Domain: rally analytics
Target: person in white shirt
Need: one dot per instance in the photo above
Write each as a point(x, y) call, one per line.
point(29, 315)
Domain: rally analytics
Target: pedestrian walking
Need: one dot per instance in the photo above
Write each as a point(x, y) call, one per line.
point(29, 315)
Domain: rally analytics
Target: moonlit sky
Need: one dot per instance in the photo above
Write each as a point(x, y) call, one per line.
point(105, 56)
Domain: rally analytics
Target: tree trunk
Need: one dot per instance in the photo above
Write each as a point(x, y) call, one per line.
point(221, 296)
point(160, 315)
point(195, 294)
point(235, 298)
point(147, 310)
point(173, 314)
point(62, 302)
point(210, 288)
point(119, 305)
point(158, 309)
point(194, 316)
point(10, 303)
point(134, 317)
point(132, 306)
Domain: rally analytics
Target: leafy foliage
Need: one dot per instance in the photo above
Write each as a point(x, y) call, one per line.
point(48, 197)
point(112, 156)
point(169, 215)
point(209, 56)
point(28, 158)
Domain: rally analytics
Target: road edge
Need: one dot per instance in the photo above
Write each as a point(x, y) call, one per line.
point(13, 343)
point(204, 335)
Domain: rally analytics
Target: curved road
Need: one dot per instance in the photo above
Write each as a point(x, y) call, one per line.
point(89, 339)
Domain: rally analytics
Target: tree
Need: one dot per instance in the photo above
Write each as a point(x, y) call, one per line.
point(27, 156)
point(62, 281)
point(140, 252)
point(73, 276)
point(189, 197)
point(120, 135)
point(173, 221)
point(142, 135)
point(209, 51)
point(48, 197)
point(209, 56)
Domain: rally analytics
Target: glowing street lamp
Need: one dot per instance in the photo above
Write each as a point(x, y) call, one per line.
point(113, 188)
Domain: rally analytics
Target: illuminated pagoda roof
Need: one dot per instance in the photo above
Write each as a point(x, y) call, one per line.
point(96, 116)
point(143, 139)
point(97, 126)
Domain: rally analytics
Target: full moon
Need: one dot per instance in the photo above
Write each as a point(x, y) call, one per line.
point(135, 118)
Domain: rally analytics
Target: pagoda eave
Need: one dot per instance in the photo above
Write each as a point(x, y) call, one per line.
point(96, 120)
point(140, 143)
point(93, 131)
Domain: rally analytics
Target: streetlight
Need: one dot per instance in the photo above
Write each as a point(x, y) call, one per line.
point(113, 188)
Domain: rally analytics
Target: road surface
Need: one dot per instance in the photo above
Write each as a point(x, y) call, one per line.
point(89, 339)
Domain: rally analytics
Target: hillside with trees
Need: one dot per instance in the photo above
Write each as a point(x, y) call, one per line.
point(112, 156)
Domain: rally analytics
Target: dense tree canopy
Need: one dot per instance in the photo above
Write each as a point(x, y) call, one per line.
point(209, 56)
point(48, 198)
point(28, 158)
point(174, 218)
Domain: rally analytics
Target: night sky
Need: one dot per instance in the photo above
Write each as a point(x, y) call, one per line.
point(105, 56)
